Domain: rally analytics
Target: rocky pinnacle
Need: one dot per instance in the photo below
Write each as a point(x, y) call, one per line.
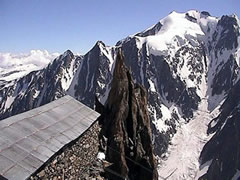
point(126, 134)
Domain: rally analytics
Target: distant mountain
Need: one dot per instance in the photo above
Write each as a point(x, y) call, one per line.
point(188, 62)
point(16, 65)
point(38, 87)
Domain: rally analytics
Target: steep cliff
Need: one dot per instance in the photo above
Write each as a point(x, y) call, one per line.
point(222, 152)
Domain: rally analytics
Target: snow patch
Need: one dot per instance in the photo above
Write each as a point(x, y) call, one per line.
point(101, 156)
point(36, 94)
point(238, 49)
point(237, 175)
point(166, 115)
point(140, 41)
point(165, 112)
point(71, 89)
point(68, 75)
point(152, 86)
point(107, 51)
point(159, 123)
point(9, 102)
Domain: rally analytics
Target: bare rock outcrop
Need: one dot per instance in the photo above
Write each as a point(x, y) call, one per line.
point(126, 135)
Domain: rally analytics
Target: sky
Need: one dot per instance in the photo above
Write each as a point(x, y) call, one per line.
point(58, 25)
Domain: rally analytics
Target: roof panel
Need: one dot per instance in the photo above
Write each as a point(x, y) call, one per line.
point(30, 163)
point(4, 144)
point(29, 139)
point(40, 156)
point(14, 153)
point(10, 134)
point(43, 150)
point(54, 142)
point(36, 124)
point(16, 173)
point(27, 144)
point(45, 118)
point(5, 164)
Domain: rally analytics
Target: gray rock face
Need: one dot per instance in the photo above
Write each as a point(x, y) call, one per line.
point(223, 149)
point(222, 82)
point(155, 29)
point(227, 30)
point(126, 126)
point(93, 75)
point(205, 13)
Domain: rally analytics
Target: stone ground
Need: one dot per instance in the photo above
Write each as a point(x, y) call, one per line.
point(77, 161)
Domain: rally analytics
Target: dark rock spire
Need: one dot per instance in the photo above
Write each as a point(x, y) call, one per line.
point(126, 132)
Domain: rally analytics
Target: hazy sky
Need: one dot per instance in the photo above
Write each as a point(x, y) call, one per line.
point(58, 25)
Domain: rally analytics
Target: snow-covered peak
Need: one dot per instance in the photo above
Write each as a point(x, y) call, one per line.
point(175, 30)
point(191, 22)
point(178, 20)
point(177, 23)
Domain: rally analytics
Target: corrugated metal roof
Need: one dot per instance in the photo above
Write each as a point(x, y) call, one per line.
point(29, 139)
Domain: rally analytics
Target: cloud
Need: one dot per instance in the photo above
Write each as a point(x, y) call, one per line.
point(39, 58)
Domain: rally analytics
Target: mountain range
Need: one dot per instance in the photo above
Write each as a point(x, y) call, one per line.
point(188, 62)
